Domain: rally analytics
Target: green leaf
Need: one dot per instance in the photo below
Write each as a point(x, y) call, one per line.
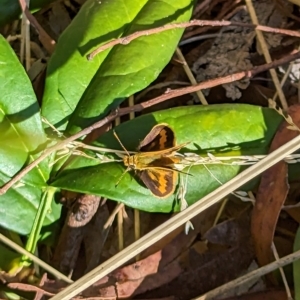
point(21, 129)
point(22, 138)
point(218, 129)
point(9, 260)
point(87, 90)
point(19, 206)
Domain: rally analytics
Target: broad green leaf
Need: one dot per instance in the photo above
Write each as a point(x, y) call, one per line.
point(22, 137)
point(218, 129)
point(86, 90)
point(19, 206)
point(22, 134)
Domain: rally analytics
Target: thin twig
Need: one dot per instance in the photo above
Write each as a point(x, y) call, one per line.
point(283, 277)
point(113, 215)
point(190, 75)
point(126, 40)
point(199, 31)
point(159, 85)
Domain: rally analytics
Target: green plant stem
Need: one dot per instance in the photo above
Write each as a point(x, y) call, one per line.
point(44, 207)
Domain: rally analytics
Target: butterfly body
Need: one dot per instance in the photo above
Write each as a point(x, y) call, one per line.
point(155, 159)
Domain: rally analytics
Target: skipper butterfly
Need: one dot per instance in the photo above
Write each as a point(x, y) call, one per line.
point(154, 163)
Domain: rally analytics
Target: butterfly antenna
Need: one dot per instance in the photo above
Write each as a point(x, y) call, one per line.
point(116, 136)
point(117, 183)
